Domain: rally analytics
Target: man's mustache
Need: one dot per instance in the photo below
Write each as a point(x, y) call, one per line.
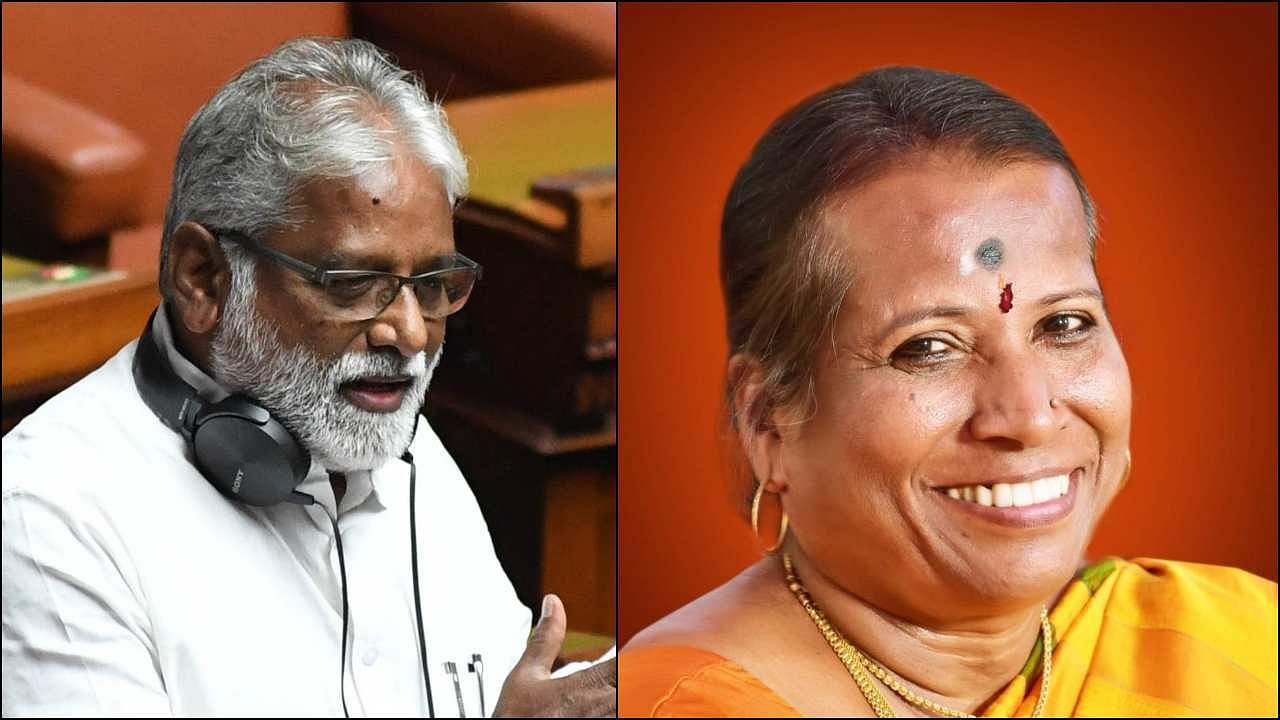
point(361, 365)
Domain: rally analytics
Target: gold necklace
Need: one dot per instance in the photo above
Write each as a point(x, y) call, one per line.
point(858, 664)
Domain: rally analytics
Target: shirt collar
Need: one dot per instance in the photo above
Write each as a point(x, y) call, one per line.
point(208, 388)
point(360, 484)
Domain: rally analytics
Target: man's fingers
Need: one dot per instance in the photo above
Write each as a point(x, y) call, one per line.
point(603, 675)
point(586, 700)
point(601, 705)
point(529, 690)
point(548, 636)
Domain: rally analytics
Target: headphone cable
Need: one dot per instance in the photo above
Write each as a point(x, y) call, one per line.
point(413, 558)
point(417, 595)
point(342, 569)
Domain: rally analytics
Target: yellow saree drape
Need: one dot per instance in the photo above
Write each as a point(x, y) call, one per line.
point(1138, 638)
point(1154, 638)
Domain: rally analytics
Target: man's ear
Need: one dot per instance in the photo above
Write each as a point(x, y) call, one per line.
point(199, 276)
point(760, 439)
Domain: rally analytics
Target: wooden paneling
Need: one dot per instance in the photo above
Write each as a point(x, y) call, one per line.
point(579, 559)
point(52, 340)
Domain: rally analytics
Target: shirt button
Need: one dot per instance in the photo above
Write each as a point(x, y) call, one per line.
point(370, 656)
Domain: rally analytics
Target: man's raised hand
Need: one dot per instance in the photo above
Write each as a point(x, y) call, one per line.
point(530, 691)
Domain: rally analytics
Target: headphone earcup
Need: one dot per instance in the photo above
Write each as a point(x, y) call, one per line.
point(246, 454)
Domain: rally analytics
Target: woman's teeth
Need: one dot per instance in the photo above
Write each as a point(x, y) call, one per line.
point(1013, 495)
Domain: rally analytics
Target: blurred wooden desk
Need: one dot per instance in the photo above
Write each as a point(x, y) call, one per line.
point(515, 141)
point(524, 393)
point(54, 339)
point(550, 502)
point(538, 333)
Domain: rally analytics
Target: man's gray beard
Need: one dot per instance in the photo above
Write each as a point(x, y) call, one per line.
point(301, 390)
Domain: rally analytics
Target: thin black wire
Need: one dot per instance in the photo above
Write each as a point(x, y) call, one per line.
point(342, 568)
point(417, 597)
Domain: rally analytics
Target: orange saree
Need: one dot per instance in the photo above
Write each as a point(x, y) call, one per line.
point(1140, 638)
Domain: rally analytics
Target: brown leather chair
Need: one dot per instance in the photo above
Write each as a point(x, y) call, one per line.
point(71, 176)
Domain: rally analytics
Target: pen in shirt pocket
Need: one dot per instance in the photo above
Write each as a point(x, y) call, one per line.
point(477, 666)
point(451, 669)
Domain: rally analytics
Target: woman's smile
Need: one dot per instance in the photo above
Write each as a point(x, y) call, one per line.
point(1045, 500)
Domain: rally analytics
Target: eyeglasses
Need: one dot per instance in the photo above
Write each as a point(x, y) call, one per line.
point(357, 295)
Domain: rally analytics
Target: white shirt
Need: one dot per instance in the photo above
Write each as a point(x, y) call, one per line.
point(132, 587)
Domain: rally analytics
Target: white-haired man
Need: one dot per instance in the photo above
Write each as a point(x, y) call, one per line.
point(307, 266)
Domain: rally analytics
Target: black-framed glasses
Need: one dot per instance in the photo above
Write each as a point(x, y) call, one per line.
point(357, 295)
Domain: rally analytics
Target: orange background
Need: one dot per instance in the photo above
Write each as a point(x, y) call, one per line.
point(1170, 113)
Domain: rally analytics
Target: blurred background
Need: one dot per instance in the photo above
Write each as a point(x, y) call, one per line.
point(96, 97)
point(1170, 113)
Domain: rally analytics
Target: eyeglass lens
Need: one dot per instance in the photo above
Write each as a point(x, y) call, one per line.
point(438, 296)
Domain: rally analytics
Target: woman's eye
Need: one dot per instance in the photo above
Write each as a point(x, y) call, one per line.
point(1067, 325)
point(920, 349)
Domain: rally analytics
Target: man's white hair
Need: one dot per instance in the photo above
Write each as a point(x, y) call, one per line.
point(314, 107)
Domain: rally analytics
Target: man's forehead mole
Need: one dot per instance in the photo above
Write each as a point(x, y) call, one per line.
point(990, 254)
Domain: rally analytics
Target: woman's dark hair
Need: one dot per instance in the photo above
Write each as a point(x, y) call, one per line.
point(783, 287)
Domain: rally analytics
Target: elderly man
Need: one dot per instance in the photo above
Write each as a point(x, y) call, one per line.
point(242, 512)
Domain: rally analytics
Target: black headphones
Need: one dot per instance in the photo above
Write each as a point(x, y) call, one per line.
point(244, 452)
point(250, 457)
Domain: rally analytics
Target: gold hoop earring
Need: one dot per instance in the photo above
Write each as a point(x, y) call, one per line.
point(1128, 468)
point(755, 519)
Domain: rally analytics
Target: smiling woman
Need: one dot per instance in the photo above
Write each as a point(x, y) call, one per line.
point(924, 377)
